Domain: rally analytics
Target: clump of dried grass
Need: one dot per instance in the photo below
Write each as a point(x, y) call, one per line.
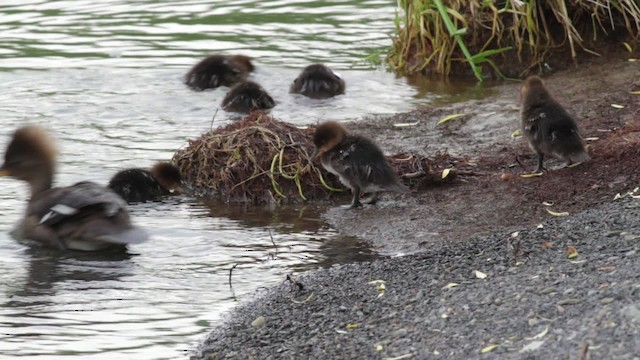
point(435, 37)
point(256, 160)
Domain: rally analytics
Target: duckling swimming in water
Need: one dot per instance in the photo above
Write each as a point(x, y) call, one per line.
point(138, 185)
point(548, 127)
point(318, 81)
point(246, 97)
point(218, 70)
point(84, 216)
point(356, 160)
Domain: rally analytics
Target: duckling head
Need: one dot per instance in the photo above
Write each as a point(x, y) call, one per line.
point(243, 62)
point(168, 176)
point(533, 90)
point(327, 136)
point(31, 157)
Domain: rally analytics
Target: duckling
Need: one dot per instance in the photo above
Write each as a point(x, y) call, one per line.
point(246, 97)
point(218, 70)
point(317, 81)
point(138, 185)
point(84, 216)
point(548, 127)
point(357, 161)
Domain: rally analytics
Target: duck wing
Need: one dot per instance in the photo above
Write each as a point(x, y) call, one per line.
point(85, 212)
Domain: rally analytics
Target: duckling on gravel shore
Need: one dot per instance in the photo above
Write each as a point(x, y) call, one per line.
point(356, 160)
point(548, 127)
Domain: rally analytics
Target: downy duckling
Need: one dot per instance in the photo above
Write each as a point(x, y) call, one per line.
point(84, 216)
point(218, 70)
point(548, 127)
point(246, 97)
point(318, 81)
point(356, 160)
point(138, 185)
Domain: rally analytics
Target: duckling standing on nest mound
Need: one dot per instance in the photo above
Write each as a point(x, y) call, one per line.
point(246, 97)
point(317, 81)
point(548, 127)
point(356, 160)
point(84, 216)
point(137, 185)
point(218, 70)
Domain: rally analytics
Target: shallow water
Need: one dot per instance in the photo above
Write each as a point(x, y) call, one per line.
point(105, 78)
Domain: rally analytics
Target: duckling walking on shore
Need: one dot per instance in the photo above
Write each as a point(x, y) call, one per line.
point(246, 97)
point(218, 70)
point(356, 160)
point(548, 127)
point(84, 216)
point(317, 81)
point(138, 185)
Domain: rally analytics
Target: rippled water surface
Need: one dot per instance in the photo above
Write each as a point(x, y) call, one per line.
point(105, 77)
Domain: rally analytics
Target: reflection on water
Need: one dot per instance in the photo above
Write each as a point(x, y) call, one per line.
point(156, 300)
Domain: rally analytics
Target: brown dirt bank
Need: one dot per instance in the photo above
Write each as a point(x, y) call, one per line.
point(484, 201)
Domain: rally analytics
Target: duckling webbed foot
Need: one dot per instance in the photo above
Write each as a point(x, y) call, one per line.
point(355, 201)
point(371, 199)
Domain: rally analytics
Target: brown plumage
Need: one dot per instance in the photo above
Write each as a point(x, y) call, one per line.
point(137, 185)
point(357, 161)
point(548, 127)
point(246, 97)
point(218, 70)
point(318, 81)
point(84, 216)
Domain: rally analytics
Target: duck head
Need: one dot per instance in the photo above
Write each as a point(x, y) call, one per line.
point(31, 157)
point(327, 136)
point(168, 176)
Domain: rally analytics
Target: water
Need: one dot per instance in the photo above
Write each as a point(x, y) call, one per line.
point(105, 78)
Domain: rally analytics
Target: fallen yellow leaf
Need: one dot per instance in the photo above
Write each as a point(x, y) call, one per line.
point(617, 106)
point(564, 213)
point(626, 45)
point(480, 274)
point(532, 175)
point(516, 134)
point(450, 117)
point(352, 326)
point(489, 348)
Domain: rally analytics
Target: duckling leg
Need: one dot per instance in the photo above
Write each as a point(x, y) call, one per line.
point(540, 162)
point(355, 201)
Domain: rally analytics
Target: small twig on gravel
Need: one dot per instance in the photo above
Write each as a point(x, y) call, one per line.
point(230, 284)
point(295, 282)
point(583, 351)
point(413, 175)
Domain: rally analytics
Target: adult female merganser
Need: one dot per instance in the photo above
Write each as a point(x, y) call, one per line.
point(84, 216)
point(137, 185)
point(317, 81)
point(356, 160)
point(548, 127)
point(218, 70)
point(246, 97)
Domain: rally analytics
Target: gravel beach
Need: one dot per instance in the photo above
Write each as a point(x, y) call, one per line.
point(511, 295)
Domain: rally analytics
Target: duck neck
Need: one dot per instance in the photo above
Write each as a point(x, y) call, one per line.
point(43, 182)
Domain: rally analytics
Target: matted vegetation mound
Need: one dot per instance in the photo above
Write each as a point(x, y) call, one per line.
point(514, 37)
point(256, 160)
point(262, 160)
